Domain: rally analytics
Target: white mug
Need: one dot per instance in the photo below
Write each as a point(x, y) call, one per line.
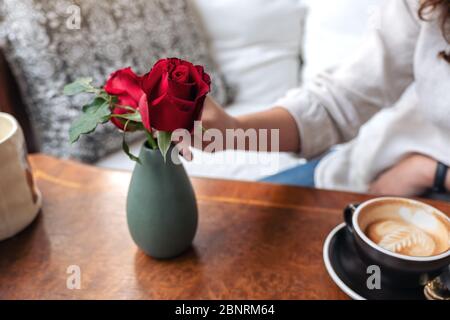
point(20, 200)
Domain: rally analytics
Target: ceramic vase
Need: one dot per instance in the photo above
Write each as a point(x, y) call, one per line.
point(162, 211)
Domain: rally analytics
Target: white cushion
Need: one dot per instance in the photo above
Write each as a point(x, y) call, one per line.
point(334, 30)
point(257, 44)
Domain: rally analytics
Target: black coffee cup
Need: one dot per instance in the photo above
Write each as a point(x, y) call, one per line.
point(397, 270)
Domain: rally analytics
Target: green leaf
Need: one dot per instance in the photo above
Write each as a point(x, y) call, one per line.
point(103, 94)
point(126, 148)
point(78, 86)
point(136, 117)
point(79, 127)
point(164, 141)
point(94, 105)
point(93, 114)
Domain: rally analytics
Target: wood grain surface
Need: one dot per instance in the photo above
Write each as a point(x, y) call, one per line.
point(255, 241)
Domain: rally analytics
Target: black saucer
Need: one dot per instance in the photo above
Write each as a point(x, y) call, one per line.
point(349, 272)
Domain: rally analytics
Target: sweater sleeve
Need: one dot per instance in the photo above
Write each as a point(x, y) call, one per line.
point(333, 106)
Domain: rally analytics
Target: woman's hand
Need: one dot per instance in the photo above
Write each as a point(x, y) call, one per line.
point(412, 176)
point(215, 117)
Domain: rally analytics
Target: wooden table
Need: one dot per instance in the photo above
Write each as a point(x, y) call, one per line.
point(255, 241)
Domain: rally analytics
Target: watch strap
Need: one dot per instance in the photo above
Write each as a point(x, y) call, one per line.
point(440, 177)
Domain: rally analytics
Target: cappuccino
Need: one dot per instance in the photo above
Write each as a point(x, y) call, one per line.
point(406, 228)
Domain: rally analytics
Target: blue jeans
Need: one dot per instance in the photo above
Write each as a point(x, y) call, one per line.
point(303, 176)
point(300, 176)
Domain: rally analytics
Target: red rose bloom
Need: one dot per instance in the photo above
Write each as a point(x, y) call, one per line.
point(127, 87)
point(176, 91)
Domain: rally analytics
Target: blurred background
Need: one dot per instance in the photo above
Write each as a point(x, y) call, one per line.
point(255, 51)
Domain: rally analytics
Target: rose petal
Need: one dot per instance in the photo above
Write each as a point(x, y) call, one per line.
point(169, 115)
point(185, 91)
point(119, 123)
point(124, 82)
point(207, 79)
point(126, 100)
point(143, 110)
point(200, 69)
point(183, 105)
point(153, 77)
point(202, 87)
point(180, 74)
point(156, 83)
point(199, 108)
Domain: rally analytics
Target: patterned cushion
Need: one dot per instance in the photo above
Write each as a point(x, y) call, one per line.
point(46, 52)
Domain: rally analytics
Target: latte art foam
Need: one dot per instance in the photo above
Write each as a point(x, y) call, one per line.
point(402, 238)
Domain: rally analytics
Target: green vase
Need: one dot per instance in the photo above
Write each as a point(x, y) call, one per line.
point(161, 206)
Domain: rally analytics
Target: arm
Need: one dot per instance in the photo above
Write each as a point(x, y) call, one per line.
point(410, 177)
point(276, 118)
point(332, 108)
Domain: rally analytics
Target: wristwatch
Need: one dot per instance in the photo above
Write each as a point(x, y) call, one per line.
point(440, 177)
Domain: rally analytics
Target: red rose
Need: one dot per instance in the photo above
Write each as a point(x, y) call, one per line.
point(127, 87)
point(176, 91)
